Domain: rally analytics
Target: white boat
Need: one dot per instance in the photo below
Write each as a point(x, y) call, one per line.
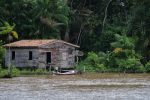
point(66, 72)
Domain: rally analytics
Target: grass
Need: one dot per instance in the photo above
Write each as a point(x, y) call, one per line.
point(16, 72)
point(34, 72)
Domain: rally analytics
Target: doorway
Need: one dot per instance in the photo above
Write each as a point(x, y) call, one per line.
point(48, 57)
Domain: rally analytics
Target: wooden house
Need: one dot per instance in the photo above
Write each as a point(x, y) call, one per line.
point(41, 53)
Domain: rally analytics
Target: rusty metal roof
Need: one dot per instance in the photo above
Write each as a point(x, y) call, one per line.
point(36, 43)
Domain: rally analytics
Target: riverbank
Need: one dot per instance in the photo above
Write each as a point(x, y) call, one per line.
point(39, 72)
point(42, 72)
point(16, 72)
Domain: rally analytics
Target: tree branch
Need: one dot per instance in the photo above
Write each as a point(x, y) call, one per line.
point(78, 38)
point(105, 17)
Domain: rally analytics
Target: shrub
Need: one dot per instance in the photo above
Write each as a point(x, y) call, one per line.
point(15, 72)
point(2, 53)
point(26, 72)
point(121, 60)
point(0, 68)
point(40, 71)
point(100, 68)
point(130, 65)
point(3, 72)
point(147, 67)
point(93, 63)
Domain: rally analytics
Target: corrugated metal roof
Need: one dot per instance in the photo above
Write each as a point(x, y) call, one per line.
point(35, 43)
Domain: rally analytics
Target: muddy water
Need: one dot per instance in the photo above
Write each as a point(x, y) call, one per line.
point(78, 87)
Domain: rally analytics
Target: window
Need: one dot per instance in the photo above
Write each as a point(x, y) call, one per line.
point(48, 57)
point(30, 55)
point(70, 51)
point(13, 55)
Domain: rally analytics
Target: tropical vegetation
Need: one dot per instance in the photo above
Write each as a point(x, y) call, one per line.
point(113, 34)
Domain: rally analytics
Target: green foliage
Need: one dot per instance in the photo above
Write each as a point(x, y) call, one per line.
point(111, 62)
point(125, 37)
point(105, 40)
point(122, 59)
point(33, 72)
point(100, 68)
point(92, 64)
point(40, 71)
point(26, 72)
point(2, 53)
point(7, 29)
point(147, 67)
point(15, 72)
point(50, 17)
point(124, 42)
point(130, 65)
point(4, 73)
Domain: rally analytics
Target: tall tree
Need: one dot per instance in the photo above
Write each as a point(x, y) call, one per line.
point(140, 23)
point(7, 29)
point(18, 12)
point(51, 16)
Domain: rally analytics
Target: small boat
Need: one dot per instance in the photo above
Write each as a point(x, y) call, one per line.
point(66, 72)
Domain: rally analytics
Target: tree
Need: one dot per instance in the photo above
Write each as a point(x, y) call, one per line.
point(139, 25)
point(50, 16)
point(18, 12)
point(7, 29)
point(124, 42)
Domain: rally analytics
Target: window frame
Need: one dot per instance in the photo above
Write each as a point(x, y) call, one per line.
point(70, 51)
point(30, 57)
point(13, 55)
point(47, 57)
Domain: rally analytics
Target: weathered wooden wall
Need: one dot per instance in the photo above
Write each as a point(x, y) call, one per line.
point(22, 57)
point(60, 56)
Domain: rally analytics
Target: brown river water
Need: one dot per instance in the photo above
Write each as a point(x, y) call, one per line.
point(77, 87)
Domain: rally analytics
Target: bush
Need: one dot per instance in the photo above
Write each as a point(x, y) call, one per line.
point(93, 63)
point(26, 72)
point(0, 68)
point(147, 67)
point(32, 72)
point(40, 71)
point(15, 72)
point(3, 72)
point(2, 53)
point(85, 66)
point(130, 65)
point(101, 68)
point(120, 60)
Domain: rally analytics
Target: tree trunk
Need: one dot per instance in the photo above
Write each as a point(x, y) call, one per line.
point(79, 35)
point(105, 17)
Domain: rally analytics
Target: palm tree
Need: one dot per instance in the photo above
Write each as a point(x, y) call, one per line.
point(51, 15)
point(7, 29)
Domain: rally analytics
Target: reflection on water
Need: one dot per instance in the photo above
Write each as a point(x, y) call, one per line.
point(78, 87)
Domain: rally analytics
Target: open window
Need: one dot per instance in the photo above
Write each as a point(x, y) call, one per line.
point(30, 55)
point(13, 55)
point(70, 51)
point(48, 57)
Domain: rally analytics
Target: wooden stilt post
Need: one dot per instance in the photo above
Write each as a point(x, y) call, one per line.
point(77, 59)
point(84, 69)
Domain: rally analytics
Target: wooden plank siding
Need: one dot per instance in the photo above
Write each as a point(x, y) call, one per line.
point(61, 55)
